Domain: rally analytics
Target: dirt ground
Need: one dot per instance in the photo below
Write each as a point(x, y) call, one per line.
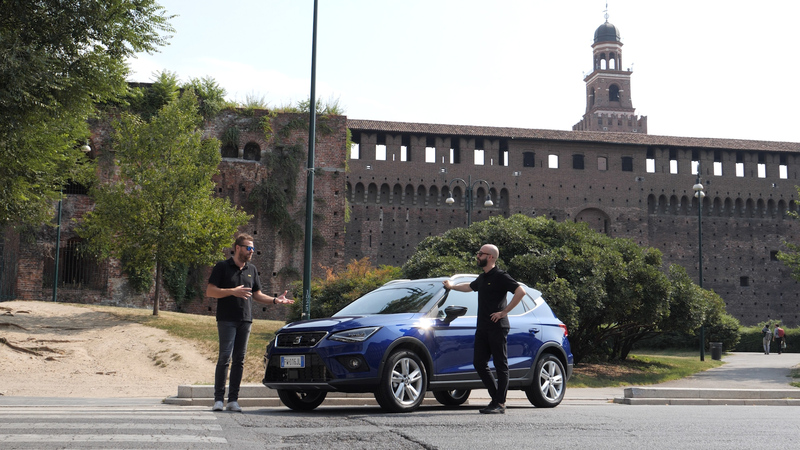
point(54, 350)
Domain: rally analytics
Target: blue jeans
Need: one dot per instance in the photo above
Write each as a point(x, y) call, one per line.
point(233, 337)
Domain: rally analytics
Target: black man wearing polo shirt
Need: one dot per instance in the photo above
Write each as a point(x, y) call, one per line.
point(235, 283)
point(491, 331)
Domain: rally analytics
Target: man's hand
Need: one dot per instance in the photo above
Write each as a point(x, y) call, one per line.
point(498, 315)
point(242, 291)
point(283, 299)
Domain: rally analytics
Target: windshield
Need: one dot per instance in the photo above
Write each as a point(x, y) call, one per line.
point(405, 297)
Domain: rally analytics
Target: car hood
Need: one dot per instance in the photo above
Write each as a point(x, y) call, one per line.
point(347, 322)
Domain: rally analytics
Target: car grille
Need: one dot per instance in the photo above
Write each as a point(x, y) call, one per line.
point(314, 371)
point(294, 340)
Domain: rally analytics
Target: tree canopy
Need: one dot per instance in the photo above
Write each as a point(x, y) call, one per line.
point(335, 290)
point(611, 293)
point(159, 208)
point(57, 61)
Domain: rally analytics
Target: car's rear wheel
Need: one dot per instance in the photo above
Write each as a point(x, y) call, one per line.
point(301, 401)
point(452, 397)
point(549, 384)
point(403, 382)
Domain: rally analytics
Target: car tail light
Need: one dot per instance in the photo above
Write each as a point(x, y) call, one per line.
point(564, 327)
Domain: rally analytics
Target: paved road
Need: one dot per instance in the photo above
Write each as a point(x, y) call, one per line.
point(586, 419)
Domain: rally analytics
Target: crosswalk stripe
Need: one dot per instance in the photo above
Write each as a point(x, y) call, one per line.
point(110, 426)
point(139, 438)
point(70, 415)
point(95, 422)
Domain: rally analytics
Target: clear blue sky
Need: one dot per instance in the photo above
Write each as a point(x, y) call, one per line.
point(701, 68)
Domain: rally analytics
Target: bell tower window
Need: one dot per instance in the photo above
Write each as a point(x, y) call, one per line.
point(613, 93)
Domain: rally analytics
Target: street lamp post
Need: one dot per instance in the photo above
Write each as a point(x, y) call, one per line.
point(468, 201)
point(699, 194)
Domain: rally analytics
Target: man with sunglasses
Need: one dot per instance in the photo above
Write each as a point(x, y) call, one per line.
point(491, 331)
point(235, 283)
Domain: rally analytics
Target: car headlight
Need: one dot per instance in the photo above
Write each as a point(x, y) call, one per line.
point(354, 335)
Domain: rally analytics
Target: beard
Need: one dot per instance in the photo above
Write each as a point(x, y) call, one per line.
point(483, 262)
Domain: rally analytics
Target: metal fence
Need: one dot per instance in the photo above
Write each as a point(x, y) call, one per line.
point(76, 269)
point(9, 246)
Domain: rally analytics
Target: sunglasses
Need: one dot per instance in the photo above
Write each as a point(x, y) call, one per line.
point(479, 254)
point(249, 248)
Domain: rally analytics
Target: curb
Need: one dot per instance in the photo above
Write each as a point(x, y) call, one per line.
point(262, 396)
point(685, 396)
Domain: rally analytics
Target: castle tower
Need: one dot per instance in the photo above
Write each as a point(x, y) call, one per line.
point(608, 88)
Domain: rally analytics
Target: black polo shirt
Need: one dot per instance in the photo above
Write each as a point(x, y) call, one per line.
point(226, 274)
point(492, 287)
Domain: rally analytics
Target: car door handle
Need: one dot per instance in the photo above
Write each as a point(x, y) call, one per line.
point(534, 330)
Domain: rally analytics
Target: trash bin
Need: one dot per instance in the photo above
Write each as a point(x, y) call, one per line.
point(716, 351)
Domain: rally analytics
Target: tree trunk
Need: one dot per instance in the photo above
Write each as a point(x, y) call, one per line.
point(158, 288)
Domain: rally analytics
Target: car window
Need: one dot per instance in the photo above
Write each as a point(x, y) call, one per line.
point(524, 305)
point(457, 298)
point(406, 297)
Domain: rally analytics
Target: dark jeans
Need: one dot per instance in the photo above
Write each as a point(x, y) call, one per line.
point(233, 337)
point(492, 343)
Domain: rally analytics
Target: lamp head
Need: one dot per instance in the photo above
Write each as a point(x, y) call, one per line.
point(85, 148)
point(450, 200)
point(488, 201)
point(697, 187)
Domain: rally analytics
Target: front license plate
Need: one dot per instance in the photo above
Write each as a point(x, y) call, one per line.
point(293, 362)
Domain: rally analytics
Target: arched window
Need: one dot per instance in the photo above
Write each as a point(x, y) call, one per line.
point(252, 152)
point(613, 93)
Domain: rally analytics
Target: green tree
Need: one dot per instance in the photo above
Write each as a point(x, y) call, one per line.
point(159, 209)
point(57, 61)
point(337, 290)
point(611, 293)
point(211, 94)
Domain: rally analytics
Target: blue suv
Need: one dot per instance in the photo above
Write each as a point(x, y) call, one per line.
point(412, 336)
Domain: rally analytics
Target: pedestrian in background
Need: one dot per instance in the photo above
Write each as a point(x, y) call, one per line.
point(778, 335)
point(235, 284)
point(766, 338)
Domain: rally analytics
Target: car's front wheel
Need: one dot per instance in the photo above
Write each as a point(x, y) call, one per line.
point(548, 386)
point(301, 401)
point(452, 397)
point(403, 382)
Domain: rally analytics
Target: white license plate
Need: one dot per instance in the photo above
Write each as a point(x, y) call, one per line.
point(293, 362)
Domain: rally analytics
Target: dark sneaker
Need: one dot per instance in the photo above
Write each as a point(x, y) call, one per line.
point(491, 405)
point(496, 409)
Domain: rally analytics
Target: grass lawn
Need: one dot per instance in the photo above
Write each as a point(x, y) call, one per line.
point(641, 368)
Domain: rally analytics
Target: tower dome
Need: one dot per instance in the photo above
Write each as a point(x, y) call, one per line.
point(606, 33)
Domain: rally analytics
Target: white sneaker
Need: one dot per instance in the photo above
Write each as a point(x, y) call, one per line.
point(217, 406)
point(234, 406)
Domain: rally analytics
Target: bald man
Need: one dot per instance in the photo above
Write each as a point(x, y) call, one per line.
point(491, 331)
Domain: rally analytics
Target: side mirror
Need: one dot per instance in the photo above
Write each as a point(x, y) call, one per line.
point(451, 312)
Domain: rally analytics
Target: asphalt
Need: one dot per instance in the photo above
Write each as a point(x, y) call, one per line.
point(744, 379)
